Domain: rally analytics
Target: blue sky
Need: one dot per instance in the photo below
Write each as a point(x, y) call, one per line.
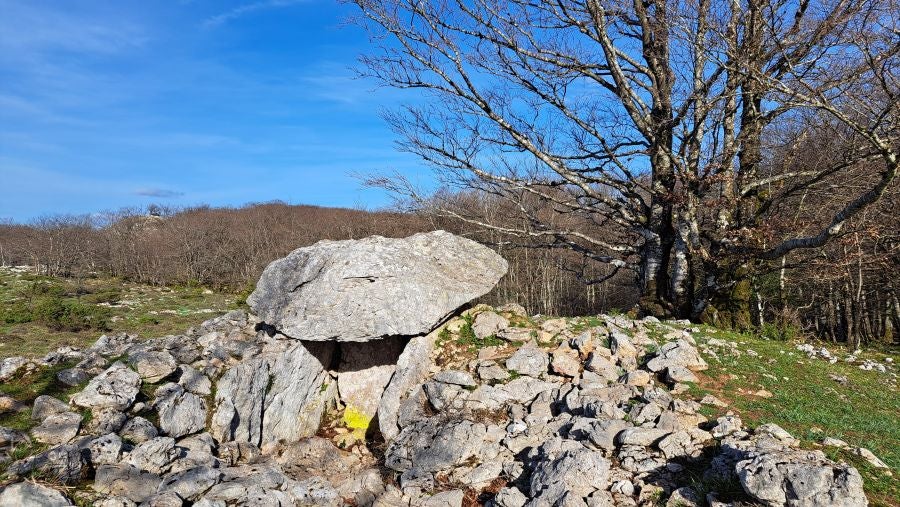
point(124, 103)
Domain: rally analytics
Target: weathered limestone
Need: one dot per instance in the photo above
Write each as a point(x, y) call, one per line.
point(360, 290)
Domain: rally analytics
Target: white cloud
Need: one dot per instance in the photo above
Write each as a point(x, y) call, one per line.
point(241, 10)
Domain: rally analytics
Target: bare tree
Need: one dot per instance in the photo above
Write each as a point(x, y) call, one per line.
point(658, 120)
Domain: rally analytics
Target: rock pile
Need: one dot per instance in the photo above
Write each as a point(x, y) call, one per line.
point(353, 389)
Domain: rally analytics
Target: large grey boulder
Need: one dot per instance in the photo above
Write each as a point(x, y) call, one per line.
point(435, 444)
point(360, 290)
point(180, 412)
point(280, 396)
point(576, 472)
point(65, 464)
point(299, 394)
point(116, 388)
point(57, 428)
point(800, 479)
point(411, 369)
point(31, 494)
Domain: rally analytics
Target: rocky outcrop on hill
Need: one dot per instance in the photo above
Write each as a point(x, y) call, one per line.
point(491, 407)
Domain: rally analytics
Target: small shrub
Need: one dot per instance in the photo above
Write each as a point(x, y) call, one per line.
point(67, 315)
point(779, 332)
point(148, 320)
point(16, 313)
point(43, 288)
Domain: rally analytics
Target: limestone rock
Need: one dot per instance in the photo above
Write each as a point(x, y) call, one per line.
point(800, 479)
point(31, 494)
point(180, 413)
point(677, 373)
point(126, 480)
point(193, 381)
point(57, 428)
point(105, 450)
point(677, 353)
point(153, 365)
point(296, 401)
point(11, 366)
point(115, 388)
point(190, 484)
point(434, 444)
point(488, 324)
point(239, 401)
point(565, 362)
point(363, 375)
point(72, 376)
point(65, 464)
point(529, 360)
point(359, 290)
point(577, 472)
point(411, 369)
point(153, 455)
point(139, 430)
point(455, 377)
point(45, 406)
point(509, 497)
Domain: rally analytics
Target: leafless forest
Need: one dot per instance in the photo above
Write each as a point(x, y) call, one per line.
point(845, 292)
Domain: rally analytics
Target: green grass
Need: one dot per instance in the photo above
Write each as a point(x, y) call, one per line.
point(809, 404)
point(121, 306)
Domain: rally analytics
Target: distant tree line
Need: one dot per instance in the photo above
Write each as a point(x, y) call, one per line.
point(846, 292)
point(227, 248)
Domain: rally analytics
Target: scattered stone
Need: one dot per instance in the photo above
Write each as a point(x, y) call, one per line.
point(65, 464)
point(712, 400)
point(678, 353)
point(678, 373)
point(180, 413)
point(455, 377)
point(11, 366)
point(153, 365)
point(565, 362)
point(105, 450)
point(57, 428)
point(488, 324)
point(138, 430)
point(193, 381)
point(453, 498)
point(115, 388)
point(31, 494)
point(577, 472)
point(153, 455)
point(528, 360)
point(45, 406)
point(870, 457)
point(72, 376)
point(834, 442)
point(800, 478)
point(127, 481)
point(684, 497)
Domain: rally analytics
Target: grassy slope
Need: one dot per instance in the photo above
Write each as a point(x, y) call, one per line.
point(864, 412)
point(140, 309)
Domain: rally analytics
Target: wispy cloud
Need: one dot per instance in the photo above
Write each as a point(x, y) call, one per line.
point(161, 193)
point(241, 10)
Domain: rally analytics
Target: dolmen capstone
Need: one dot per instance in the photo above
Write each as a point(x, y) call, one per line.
point(352, 310)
